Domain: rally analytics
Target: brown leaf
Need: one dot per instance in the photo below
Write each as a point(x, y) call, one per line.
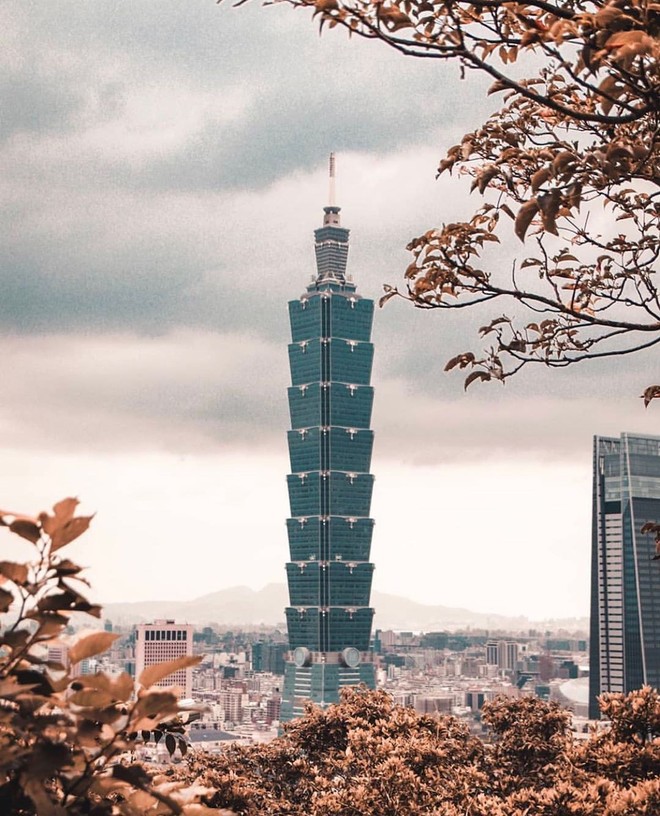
point(66, 567)
point(170, 744)
point(70, 531)
point(45, 806)
point(540, 177)
point(524, 218)
point(389, 294)
point(152, 707)
point(26, 528)
point(484, 376)
point(63, 511)
point(650, 393)
point(484, 177)
point(51, 626)
point(6, 600)
point(91, 645)
point(461, 360)
point(561, 163)
point(497, 86)
point(639, 40)
point(123, 686)
point(17, 573)
point(152, 674)
point(393, 18)
point(91, 698)
point(15, 639)
point(548, 204)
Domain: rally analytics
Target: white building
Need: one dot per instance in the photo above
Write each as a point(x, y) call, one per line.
point(160, 642)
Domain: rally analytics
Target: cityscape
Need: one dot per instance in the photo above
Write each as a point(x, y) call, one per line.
point(330, 454)
point(253, 680)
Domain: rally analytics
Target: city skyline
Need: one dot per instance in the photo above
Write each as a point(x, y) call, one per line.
point(162, 165)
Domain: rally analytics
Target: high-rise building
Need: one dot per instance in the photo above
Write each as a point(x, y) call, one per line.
point(273, 706)
point(268, 657)
point(232, 705)
point(625, 580)
point(330, 442)
point(160, 642)
point(507, 655)
point(492, 649)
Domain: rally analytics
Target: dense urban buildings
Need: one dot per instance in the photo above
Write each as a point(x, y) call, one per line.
point(330, 442)
point(625, 581)
point(160, 642)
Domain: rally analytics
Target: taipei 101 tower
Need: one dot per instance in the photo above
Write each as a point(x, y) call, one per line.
point(329, 572)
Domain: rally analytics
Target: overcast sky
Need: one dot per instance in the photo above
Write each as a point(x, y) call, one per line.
point(162, 169)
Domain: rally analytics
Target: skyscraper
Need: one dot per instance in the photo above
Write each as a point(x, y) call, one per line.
point(625, 581)
point(330, 443)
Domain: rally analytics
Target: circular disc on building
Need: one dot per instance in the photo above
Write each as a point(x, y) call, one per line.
point(301, 656)
point(351, 657)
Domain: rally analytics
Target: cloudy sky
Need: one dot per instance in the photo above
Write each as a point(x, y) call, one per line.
point(163, 166)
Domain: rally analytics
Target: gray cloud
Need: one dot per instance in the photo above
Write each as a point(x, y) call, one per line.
point(33, 103)
point(165, 173)
point(135, 129)
point(303, 96)
point(181, 392)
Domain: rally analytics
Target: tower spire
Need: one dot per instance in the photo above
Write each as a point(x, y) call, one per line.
point(331, 181)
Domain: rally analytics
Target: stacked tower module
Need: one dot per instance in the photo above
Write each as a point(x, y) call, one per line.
point(330, 443)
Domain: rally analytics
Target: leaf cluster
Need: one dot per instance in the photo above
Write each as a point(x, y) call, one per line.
point(67, 742)
point(367, 756)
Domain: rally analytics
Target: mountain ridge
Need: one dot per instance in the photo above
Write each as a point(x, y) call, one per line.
point(241, 605)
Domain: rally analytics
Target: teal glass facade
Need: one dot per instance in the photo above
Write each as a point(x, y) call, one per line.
point(625, 580)
point(330, 444)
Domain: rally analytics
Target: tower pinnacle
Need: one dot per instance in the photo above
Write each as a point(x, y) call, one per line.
point(331, 185)
point(331, 240)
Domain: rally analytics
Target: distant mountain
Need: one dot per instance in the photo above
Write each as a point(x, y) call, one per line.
point(241, 605)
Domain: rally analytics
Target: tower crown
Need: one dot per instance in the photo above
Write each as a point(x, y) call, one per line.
point(331, 240)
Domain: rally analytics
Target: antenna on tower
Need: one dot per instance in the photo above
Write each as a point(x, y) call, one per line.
point(331, 186)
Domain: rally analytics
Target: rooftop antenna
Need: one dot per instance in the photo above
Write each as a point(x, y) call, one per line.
point(331, 190)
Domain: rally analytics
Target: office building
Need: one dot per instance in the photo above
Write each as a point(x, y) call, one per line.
point(232, 705)
point(502, 653)
point(330, 443)
point(625, 580)
point(492, 651)
point(507, 655)
point(268, 657)
point(273, 706)
point(160, 642)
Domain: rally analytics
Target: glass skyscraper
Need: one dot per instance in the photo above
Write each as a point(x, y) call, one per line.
point(625, 580)
point(330, 442)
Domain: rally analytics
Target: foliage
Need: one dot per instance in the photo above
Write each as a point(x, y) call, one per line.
point(369, 757)
point(66, 741)
point(570, 163)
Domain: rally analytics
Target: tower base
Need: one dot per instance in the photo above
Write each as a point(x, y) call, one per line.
point(320, 683)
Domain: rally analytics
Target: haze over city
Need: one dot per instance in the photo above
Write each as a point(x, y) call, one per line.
point(164, 167)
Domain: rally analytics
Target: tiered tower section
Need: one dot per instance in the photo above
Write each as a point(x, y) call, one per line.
point(330, 444)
